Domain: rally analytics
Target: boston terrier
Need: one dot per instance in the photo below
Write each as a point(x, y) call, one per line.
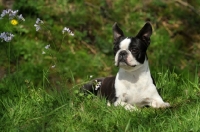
point(133, 86)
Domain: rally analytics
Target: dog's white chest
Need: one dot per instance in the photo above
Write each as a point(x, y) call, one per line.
point(133, 89)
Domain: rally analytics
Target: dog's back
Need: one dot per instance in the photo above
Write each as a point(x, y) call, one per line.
point(102, 86)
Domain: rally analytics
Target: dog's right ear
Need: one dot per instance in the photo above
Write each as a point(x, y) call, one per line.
point(117, 32)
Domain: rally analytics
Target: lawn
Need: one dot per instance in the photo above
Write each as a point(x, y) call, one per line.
point(34, 109)
point(49, 49)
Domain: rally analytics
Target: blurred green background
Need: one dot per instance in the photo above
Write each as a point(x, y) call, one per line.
point(175, 43)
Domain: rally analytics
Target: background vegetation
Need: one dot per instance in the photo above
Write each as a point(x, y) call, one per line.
point(36, 96)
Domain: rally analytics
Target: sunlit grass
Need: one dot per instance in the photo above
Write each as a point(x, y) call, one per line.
point(45, 60)
point(33, 109)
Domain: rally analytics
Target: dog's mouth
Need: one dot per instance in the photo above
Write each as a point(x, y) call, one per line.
point(124, 62)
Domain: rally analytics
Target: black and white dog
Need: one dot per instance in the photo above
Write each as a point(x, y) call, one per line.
point(133, 84)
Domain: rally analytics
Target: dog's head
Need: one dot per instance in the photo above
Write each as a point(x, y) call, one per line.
point(130, 52)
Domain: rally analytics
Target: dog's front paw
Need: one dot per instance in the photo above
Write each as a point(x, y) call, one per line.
point(156, 104)
point(165, 105)
point(126, 106)
point(130, 107)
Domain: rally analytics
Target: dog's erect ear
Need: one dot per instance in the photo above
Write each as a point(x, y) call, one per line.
point(145, 33)
point(117, 32)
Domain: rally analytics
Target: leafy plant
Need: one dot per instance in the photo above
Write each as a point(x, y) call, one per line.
point(41, 71)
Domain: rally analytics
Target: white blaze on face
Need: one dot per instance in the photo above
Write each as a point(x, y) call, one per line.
point(125, 44)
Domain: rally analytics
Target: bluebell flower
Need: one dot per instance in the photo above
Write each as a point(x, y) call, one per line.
point(9, 12)
point(65, 29)
point(6, 36)
point(43, 52)
point(47, 46)
point(3, 35)
point(38, 23)
point(12, 14)
point(37, 27)
point(53, 66)
point(20, 17)
point(4, 12)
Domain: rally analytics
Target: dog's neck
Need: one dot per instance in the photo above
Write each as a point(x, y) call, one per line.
point(137, 72)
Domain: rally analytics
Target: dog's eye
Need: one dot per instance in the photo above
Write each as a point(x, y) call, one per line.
point(133, 50)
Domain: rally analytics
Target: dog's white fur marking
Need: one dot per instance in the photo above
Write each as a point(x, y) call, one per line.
point(124, 45)
point(97, 85)
point(134, 85)
point(136, 88)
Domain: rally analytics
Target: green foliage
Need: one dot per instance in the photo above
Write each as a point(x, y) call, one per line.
point(33, 109)
point(40, 92)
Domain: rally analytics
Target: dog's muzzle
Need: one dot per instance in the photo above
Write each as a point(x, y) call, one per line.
point(122, 57)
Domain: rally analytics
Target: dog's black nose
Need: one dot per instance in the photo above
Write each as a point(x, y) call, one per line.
point(123, 53)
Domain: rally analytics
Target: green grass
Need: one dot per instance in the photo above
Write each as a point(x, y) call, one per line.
point(35, 109)
point(36, 97)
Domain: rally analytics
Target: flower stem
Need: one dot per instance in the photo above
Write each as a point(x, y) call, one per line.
point(9, 59)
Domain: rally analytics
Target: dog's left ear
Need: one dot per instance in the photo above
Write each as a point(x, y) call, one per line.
point(145, 33)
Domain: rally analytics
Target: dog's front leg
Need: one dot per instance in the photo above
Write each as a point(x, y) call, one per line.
point(153, 98)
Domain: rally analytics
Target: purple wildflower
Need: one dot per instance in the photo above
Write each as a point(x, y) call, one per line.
point(47, 46)
point(6, 36)
point(12, 14)
point(20, 17)
point(38, 23)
